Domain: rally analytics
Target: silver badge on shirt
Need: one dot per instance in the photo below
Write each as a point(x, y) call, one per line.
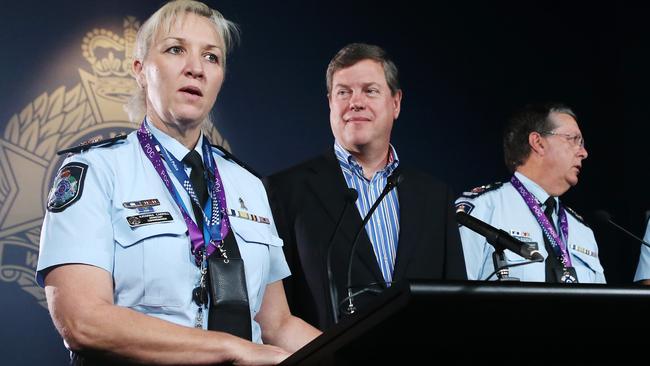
point(142, 203)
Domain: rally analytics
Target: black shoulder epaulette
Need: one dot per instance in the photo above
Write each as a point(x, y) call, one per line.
point(91, 143)
point(475, 192)
point(575, 214)
point(233, 158)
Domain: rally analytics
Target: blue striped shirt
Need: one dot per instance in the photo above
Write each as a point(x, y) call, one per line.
point(383, 226)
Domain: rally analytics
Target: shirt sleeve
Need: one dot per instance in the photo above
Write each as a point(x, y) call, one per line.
point(475, 247)
point(78, 229)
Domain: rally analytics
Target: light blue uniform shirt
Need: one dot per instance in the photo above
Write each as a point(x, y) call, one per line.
point(643, 268)
point(505, 209)
point(152, 267)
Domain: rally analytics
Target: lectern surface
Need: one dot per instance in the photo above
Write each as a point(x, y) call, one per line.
point(488, 323)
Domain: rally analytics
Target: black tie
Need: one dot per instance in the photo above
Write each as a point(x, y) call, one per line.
point(552, 261)
point(549, 205)
point(229, 309)
point(197, 178)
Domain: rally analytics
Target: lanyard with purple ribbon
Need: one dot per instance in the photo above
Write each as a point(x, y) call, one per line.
point(554, 239)
point(216, 228)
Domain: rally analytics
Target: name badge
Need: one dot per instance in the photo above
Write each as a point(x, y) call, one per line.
point(149, 218)
point(141, 203)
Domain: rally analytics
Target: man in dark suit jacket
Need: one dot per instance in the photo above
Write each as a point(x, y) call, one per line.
point(413, 233)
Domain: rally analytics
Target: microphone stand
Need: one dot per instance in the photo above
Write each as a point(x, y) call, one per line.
point(627, 232)
point(501, 241)
point(501, 265)
point(392, 182)
point(350, 197)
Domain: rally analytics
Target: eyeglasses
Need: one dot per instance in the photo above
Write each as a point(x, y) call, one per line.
point(576, 140)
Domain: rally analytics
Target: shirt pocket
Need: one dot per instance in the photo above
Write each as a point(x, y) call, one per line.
point(512, 257)
point(254, 240)
point(254, 232)
point(152, 265)
point(524, 269)
point(588, 267)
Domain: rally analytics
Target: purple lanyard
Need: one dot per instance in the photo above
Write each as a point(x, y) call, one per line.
point(152, 148)
point(213, 224)
point(554, 239)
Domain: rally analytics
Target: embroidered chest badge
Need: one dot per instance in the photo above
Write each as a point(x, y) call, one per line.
point(67, 187)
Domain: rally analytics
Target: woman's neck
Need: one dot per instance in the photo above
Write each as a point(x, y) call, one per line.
point(186, 133)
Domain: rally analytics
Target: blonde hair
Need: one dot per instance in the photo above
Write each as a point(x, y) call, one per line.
point(164, 18)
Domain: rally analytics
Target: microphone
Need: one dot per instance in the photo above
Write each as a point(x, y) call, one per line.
point(497, 237)
point(350, 197)
point(393, 181)
point(603, 216)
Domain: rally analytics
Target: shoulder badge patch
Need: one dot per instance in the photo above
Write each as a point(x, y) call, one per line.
point(575, 214)
point(68, 186)
point(92, 142)
point(464, 206)
point(475, 192)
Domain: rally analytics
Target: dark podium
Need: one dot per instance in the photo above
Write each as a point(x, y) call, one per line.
point(488, 323)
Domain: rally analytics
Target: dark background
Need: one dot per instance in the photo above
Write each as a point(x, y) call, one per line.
point(464, 68)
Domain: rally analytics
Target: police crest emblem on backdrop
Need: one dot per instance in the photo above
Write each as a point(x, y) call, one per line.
point(91, 109)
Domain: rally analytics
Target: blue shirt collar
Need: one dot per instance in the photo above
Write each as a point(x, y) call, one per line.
point(536, 190)
point(172, 145)
point(348, 160)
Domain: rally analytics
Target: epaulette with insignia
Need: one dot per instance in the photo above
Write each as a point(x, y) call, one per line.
point(475, 192)
point(466, 207)
point(91, 143)
point(229, 156)
point(575, 214)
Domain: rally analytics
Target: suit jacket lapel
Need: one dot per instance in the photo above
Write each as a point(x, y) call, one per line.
point(410, 202)
point(328, 184)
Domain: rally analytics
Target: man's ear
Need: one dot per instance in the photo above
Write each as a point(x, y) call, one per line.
point(397, 103)
point(537, 143)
